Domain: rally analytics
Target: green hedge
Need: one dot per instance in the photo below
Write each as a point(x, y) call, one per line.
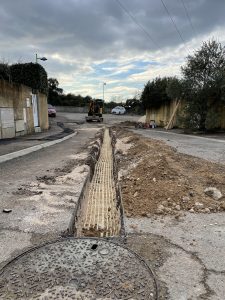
point(4, 71)
point(30, 74)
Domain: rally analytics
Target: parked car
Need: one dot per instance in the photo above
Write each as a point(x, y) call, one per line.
point(118, 110)
point(51, 111)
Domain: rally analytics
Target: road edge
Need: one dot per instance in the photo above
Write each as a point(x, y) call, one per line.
point(9, 156)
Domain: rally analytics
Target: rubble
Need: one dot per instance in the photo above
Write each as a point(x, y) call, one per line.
point(162, 181)
point(213, 192)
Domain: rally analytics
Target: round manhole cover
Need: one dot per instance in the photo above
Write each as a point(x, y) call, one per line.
point(86, 268)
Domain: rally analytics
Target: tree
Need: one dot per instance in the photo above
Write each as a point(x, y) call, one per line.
point(5, 71)
point(54, 92)
point(155, 93)
point(204, 88)
point(175, 88)
point(134, 105)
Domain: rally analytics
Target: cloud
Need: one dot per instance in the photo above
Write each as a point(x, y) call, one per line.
point(94, 41)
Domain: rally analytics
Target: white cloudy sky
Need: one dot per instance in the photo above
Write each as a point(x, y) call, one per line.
point(124, 43)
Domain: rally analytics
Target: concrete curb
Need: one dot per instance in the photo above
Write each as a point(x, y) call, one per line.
point(9, 156)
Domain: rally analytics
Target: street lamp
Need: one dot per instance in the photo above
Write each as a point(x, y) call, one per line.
point(103, 89)
point(41, 58)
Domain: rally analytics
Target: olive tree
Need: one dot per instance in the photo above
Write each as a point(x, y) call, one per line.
point(204, 87)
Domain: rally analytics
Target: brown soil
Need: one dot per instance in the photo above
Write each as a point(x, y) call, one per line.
point(164, 181)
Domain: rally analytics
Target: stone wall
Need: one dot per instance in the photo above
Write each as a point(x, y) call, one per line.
point(16, 110)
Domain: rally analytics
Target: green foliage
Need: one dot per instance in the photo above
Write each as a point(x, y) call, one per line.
point(56, 96)
point(175, 88)
point(5, 71)
point(30, 74)
point(212, 119)
point(155, 93)
point(74, 100)
point(204, 88)
point(54, 92)
point(111, 104)
point(134, 106)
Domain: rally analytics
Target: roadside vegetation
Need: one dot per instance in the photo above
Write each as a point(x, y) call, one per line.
point(29, 74)
point(201, 88)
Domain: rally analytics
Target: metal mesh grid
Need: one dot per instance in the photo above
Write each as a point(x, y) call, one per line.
point(101, 215)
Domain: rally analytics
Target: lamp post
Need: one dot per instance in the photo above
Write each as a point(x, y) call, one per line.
point(41, 58)
point(103, 89)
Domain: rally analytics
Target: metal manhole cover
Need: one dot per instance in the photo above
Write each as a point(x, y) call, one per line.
point(87, 268)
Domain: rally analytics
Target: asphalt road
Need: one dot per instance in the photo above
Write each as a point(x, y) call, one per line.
point(190, 252)
point(39, 217)
point(108, 119)
point(212, 149)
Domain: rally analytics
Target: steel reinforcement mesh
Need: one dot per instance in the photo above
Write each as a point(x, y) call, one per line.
point(100, 215)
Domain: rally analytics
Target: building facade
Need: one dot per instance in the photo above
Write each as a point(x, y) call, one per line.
point(21, 111)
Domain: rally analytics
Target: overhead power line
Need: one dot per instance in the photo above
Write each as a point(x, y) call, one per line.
point(188, 17)
point(137, 23)
point(172, 20)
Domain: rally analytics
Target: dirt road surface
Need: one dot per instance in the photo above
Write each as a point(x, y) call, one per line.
point(171, 220)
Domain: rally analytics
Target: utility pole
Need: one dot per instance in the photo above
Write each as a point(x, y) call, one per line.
point(103, 89)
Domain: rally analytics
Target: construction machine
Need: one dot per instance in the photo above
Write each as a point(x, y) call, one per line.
point(95, 110)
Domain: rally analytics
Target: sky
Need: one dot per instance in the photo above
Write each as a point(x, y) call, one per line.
point(123, 43)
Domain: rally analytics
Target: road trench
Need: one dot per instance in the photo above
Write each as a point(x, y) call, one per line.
point(99, 212)
point(88, 266)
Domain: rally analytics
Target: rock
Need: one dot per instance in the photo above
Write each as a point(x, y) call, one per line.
point(177, 216)
point(207, 210)
point(144, 214)
point(213, 193)
point(148, 215)
point(199, 205)
point(170, 204)
point(154, 179)
point(177, 207)
point(222, 205)
point(191, 210)
point(165, 203)
point(168, 209)
point(160, 209)
point(185, 199)
point(191, 194)
point(135, 194)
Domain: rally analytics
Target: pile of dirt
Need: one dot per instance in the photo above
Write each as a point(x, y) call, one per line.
point(163, 181)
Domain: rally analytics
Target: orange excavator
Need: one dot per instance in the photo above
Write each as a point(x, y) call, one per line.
point(95, 110)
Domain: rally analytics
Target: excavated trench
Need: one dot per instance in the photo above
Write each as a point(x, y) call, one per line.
point(87, 266)
point(99, 211)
